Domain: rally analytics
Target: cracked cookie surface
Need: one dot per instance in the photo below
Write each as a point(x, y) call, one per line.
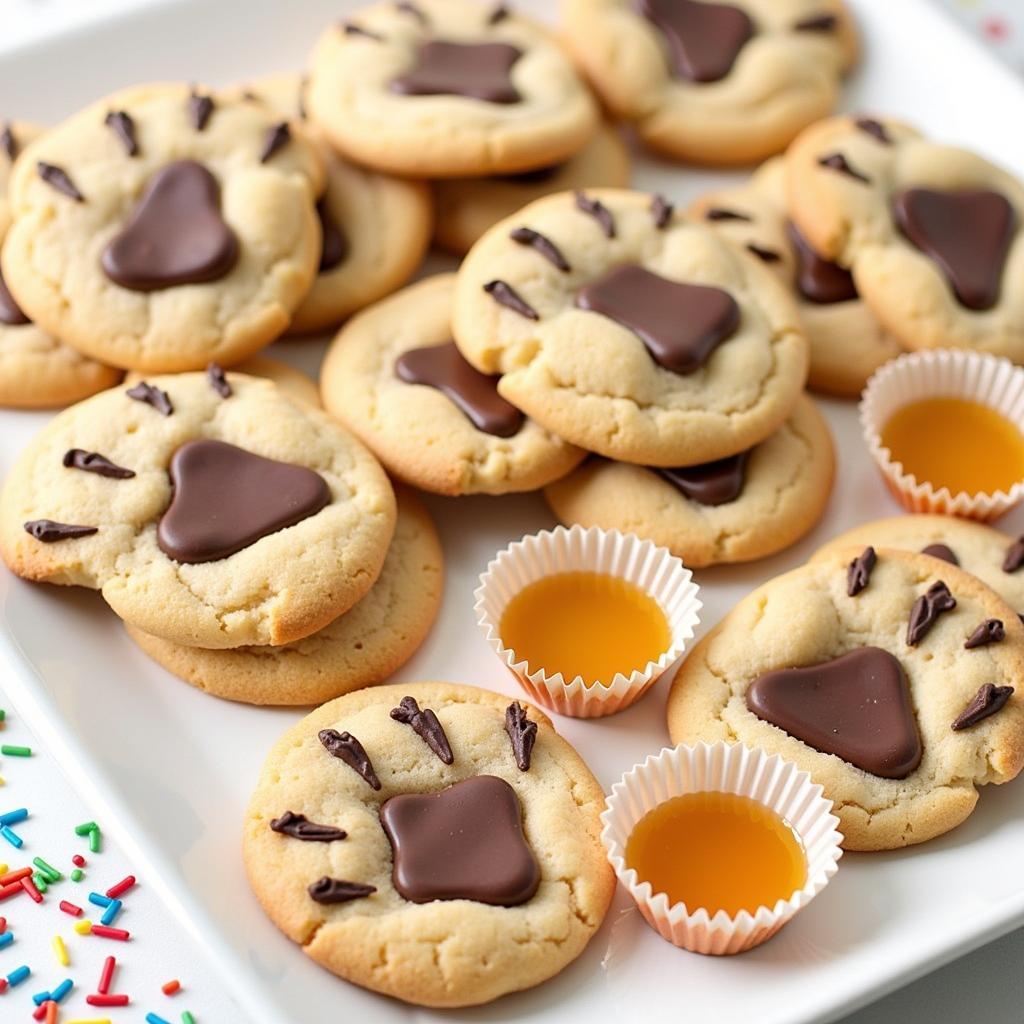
point(847, 343)
point(779, 493)
point(360, 648)
point(446, 952)
point(36, 370)
point(979, 549)
point(592, 380)
point(805, 618)
point(448, 88)
point(931, 233)
point(276, 588)
point(420, 434)
point(376, 228)
point(160, 228)
point(731, 84)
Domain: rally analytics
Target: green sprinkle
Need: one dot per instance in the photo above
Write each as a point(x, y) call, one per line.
point(15, 751)
point(76, 875)
point(39, 882)
point(187, 1018)
point(51, 874)
point(86, 828)
point(3, 714)
point(95, 836)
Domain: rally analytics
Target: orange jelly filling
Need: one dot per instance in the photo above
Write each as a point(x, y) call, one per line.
point(586, 624)
point(719, 851)
point(956, 443)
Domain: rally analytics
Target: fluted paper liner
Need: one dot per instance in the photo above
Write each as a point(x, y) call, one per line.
point(655, 570)
point(724, 768)
point(977, 377)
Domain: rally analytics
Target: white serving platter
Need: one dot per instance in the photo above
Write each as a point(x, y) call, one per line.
point(169, 770)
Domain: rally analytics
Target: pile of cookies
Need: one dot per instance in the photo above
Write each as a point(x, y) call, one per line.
point(641, 360)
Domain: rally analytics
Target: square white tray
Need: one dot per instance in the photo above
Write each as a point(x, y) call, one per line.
point(170, 770)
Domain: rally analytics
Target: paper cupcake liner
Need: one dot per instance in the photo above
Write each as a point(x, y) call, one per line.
point(655, 570)
point(724, 768)
point(977, 377)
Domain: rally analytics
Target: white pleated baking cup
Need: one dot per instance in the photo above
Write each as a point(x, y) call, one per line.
point(655, 570)
point(722, 768)
point(941, 373)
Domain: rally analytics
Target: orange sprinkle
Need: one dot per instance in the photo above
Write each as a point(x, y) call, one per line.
point(171, 987)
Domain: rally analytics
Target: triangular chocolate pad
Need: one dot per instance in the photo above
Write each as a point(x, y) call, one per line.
point(226, 498)
point(176, 234)
point(856, 707)
point(464, 843)
point(968, 233)
point(704, 39)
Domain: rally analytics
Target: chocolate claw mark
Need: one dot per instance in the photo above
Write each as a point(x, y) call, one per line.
point(426, 725)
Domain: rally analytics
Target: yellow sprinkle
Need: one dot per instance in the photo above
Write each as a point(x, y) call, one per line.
point(83, 927)
point(61, 951)
point(91, 1020)
point(2, 782)
point(3, 869)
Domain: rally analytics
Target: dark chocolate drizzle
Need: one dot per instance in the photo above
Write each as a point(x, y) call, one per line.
point(926, 611)
point(480, 71)
point(765, 255)
point(875, 129)
point(225, 499)
point(278, 135)
point(858, 572)
point(1014, 557)
point(505, 295)
point(713, 483)
point(426, 725)
point(199, 110)
point(93, 462)
point(159, 400)
point(543, 245)
point(662, 211)
point(991, 631)
point(463, 843)
point(522, 734)
point(49, 532)
point(57, 178)
point(819, 280)
point(817, 23)
point(968, 235)
point(345, 747)
point(703, 39)
point(337, 890)
point(298, 826)
point(445, 368)
point(408, 7)
point(350, 28)
point(680, 324)
point(838, 163)
point(122, 125)
point(8, 141)
point(218, 380)
point(498, 15)
point(856, 706)
point(10, 312)
point(941, 551)
point(596, 209)
point(717, 213)
point(987, 701)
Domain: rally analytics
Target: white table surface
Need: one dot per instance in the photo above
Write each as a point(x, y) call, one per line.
point(986, 986)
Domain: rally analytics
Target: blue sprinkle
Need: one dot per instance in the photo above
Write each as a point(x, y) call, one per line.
point(152, 1018)
point(13, 817)
point(6, 939)
point(40, 997)
point(100, 900)
point(62, 990)
point(110, 914)
point(13, 838)
point(18, 975)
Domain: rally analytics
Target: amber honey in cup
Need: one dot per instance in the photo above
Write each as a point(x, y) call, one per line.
point(586, 624)
point(717, 851)
point(956, 443)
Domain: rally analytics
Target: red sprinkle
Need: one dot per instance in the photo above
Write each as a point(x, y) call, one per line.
point(104, 1000)
point(10, 890)
point(170, 987)
point(110, 933)
point(121, 888)
point(30, 887)
point(78, 860)
point(70, 908)
point(3, 925)
point(3, 985)
point(15, 876)
point(40, 1011)
point(105, 977)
